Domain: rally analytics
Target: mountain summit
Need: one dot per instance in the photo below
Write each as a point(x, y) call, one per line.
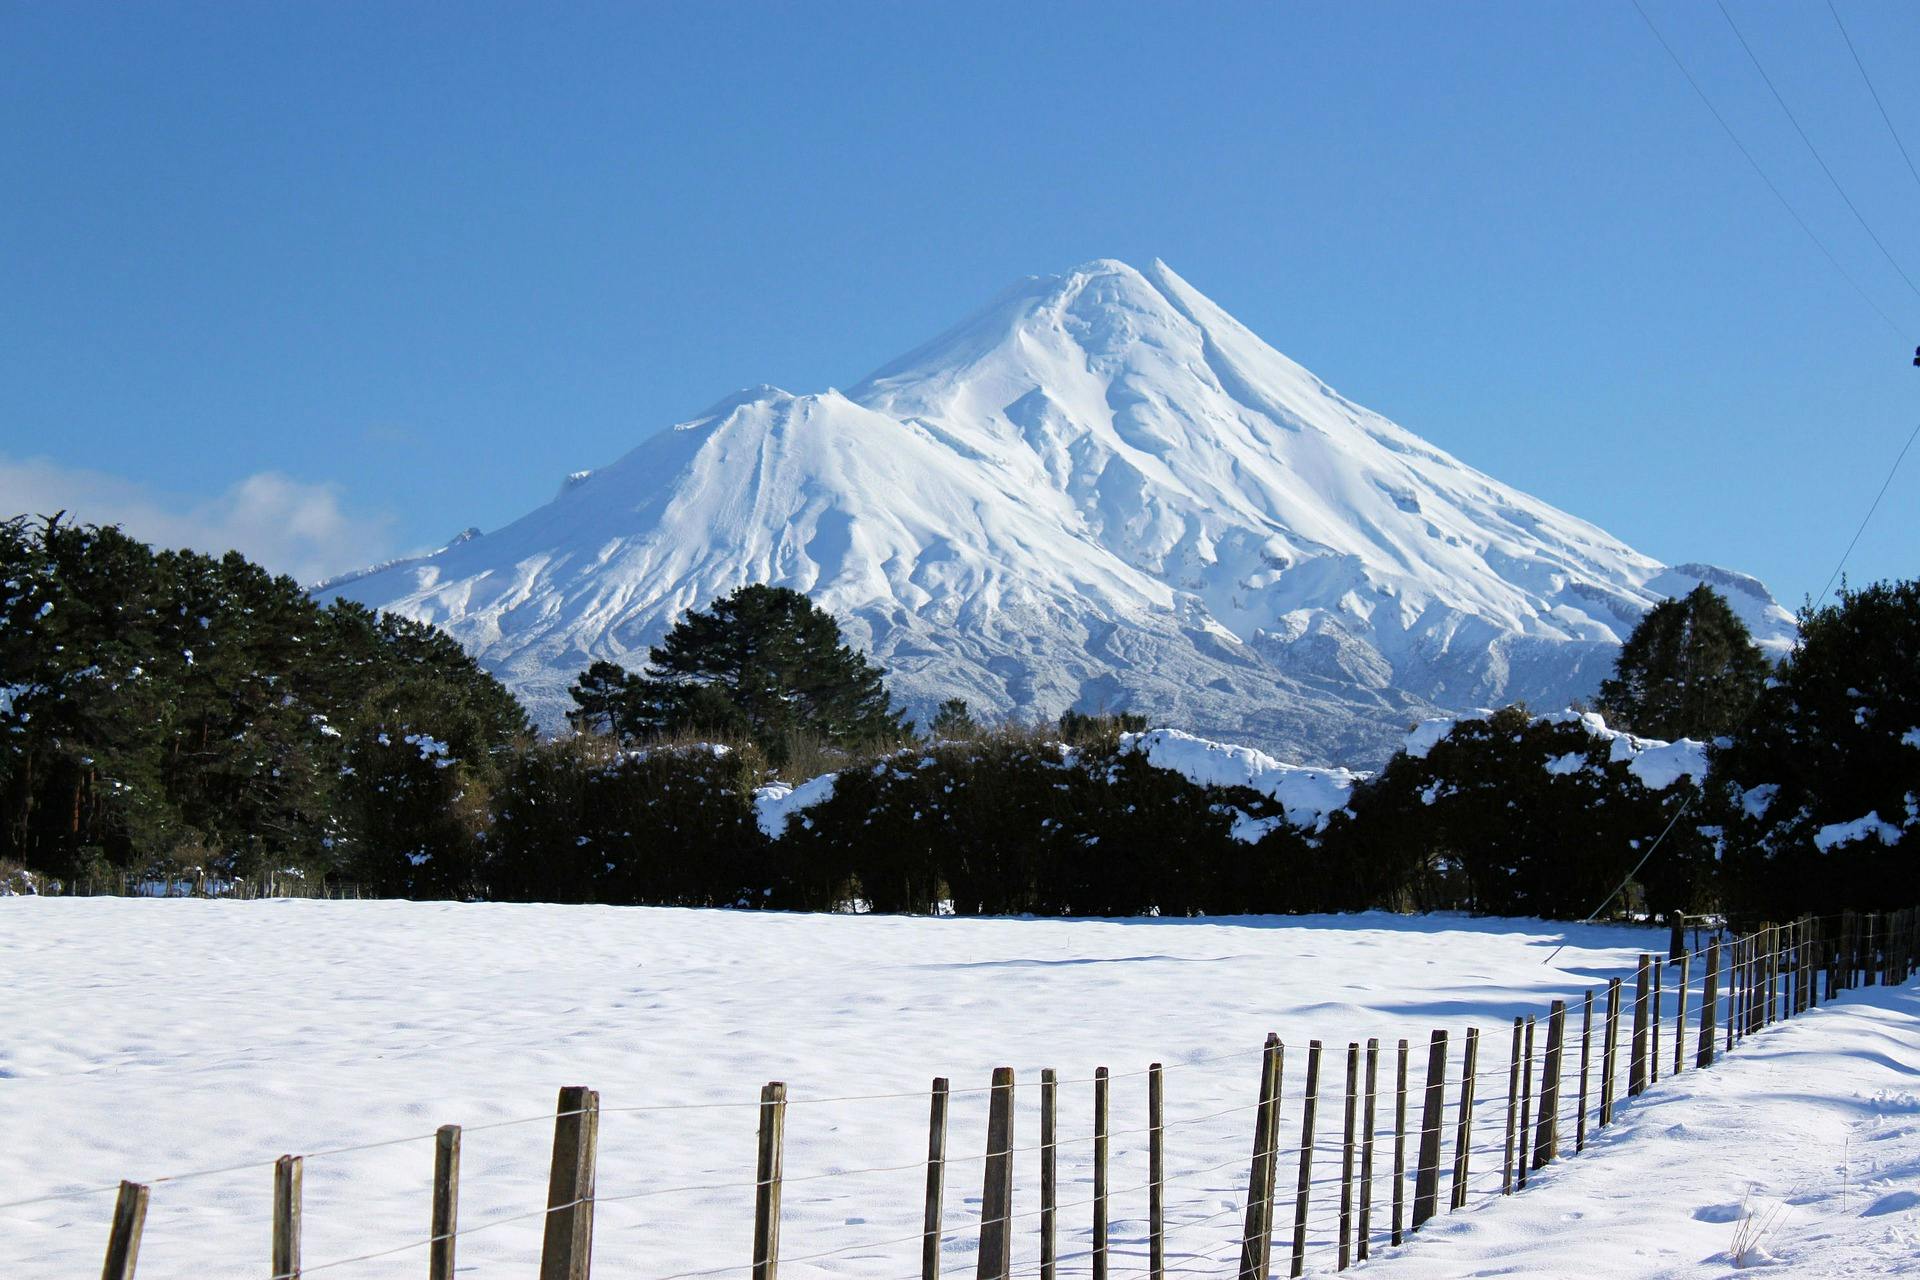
point(1102, 491)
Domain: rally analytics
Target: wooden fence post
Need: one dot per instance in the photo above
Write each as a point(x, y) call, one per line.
point(1367, 1123)
point(1609, 1052)
point(1637, 1065)
point(1680, 1019)
point(1546, 1141)
point(1101, 1089)
point(1463, 1132)
point(1427, 1180)
point(1526, 1106)
point(931, 1229)
point(1513, 1104)
point(996, 1196)
point(1775, 945)
point(123, 1240)
point(1346, 1155)
point(1049, 1119)
point(286, 1218)
point(566, 1252)
point(1655, 969)
point(1811, 964)
point(1310, 1104)
point(1586, 1047)
point(1156, 1174)
point(1256, 1239)
point(1399, 1141)
point(1709, 1000)
point(446, 1202)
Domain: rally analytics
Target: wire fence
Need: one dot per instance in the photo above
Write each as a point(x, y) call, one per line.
point(1390, 1135)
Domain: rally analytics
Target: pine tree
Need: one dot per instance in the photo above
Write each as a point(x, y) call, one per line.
point(953, 720)
point(765, 664)
point(603, 700)
point(1689, 670)
point(1819, 793)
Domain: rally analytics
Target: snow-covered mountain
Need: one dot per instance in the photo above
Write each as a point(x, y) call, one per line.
point(1102, 491)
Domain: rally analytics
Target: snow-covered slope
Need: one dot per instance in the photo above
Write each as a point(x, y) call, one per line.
point(1102, 491)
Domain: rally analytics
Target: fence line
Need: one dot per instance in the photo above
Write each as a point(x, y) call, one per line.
point(1745, 984)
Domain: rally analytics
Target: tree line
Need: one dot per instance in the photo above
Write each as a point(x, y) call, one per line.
point(165, 712)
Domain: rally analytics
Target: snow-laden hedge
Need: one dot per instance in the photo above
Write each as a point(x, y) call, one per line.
point(1499, 812)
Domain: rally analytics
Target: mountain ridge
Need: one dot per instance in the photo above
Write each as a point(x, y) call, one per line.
point(1100, 490)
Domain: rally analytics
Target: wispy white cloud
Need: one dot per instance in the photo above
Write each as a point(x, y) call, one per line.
point(285, 524)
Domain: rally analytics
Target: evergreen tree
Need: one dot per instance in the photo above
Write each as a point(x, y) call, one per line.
point(604, 700)
point(1819, 793)
point(167, 712)
point(1689, 670)
point(764, 664)
point(953, 720)
point(1079, 726)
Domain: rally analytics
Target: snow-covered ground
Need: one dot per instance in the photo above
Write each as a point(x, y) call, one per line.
point(146, 1038)
point(1807, 1138)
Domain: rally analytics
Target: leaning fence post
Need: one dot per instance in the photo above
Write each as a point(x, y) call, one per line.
point(1366, 1150)
point(1049, 1115)
point(1156, 1173)
point(931, 1230)
point(1586, 1050)
point(1256, 1240)
point(1680, 1019)
point(1463, 1135)
point(286, 1218)
point(446, 1202)
point(1546, 1140)
point(1426, 1184)
point(1609, 1052)
point(1526, 1107)
point(566, 1253)
point(1101, 1089)
point(1709, 1000)
point(1637, 1066)
point(1346, 1155)
point(1310, 1104)
point(1399, 1140)
point(123, 1240)
point(996, 1196)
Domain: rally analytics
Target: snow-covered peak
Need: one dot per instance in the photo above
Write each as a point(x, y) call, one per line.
point(1100, 491)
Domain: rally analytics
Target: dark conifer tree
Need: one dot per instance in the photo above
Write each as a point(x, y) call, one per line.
point(765, 664)
point(1689, 670)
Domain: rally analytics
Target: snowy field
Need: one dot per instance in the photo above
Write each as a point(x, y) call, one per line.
point(149, 1038)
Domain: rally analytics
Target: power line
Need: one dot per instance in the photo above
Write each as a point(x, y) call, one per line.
point(1904, 154)
point(1784, 202)
point(1699, 790)
point(1820, 159)
point(1884, 485)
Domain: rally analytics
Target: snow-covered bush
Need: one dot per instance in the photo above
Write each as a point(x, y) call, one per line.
point(1819, 794)
point(1519, 814)
point(582, 820)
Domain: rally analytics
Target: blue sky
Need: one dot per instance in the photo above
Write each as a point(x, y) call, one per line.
point(332, 282)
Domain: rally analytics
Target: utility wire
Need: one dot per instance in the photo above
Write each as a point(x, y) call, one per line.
point(1904, 153)
point(1784, 202)
point(1698, 790)
point(1884, 485)
point(1687, 804)
point(1820, 159)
